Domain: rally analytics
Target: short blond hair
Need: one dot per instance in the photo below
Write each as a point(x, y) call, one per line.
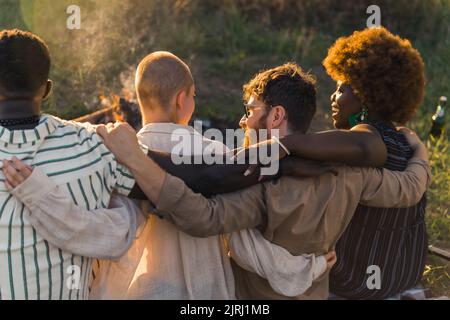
point(160, 76)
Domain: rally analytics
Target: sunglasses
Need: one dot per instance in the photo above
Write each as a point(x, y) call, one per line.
point(249, 107)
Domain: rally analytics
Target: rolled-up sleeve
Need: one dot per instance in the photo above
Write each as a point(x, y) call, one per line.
point(102, 233)
point(396, 189)
point(199, 216)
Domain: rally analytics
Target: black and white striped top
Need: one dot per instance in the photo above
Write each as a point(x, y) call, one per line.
point(393, 239)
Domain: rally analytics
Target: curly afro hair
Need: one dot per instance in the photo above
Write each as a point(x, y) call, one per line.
point(385, 71)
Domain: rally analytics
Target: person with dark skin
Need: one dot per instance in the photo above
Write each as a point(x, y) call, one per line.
point(33, 268)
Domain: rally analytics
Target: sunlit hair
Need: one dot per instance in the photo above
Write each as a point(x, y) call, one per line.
point(289, 86)
point(160, 76)
point(385, 71)
point(24, 62)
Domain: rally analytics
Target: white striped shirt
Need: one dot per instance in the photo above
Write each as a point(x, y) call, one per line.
point(75, 158)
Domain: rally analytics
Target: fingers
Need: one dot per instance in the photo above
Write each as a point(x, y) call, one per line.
point(251, 169)
point(16, 172)
point(331, 258)
point(405, 130)
point(330, 255)
point(13, 176)
point(23, 169)
point(102, 131)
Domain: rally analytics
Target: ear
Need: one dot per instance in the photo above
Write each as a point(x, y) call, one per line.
point(48, 89)
point(278, 116)
point(180, 100)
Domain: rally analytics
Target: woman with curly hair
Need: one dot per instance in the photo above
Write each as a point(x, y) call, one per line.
point(380, 85)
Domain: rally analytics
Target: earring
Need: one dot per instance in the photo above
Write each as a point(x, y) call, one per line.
point(357, 118)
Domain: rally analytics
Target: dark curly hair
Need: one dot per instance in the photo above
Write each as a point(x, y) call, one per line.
point(288, 86)
point(24, 61)
point(385, 71)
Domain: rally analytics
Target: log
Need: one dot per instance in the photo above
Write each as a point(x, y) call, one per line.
point(439, 252)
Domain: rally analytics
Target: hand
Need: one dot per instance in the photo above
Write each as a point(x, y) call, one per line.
point(411, 137)
point(415, 143)
point(120, 138)
point(16, 172)
point(259, 155)
point(331, 259)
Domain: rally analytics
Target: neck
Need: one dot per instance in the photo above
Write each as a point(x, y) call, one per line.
point(19, 109)
point(155, 114)
point(374, 117)
point(283, 131)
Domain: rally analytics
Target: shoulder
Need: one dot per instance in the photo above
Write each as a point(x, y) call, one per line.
point(366, 127)
point(216, 145)
point(82, 136)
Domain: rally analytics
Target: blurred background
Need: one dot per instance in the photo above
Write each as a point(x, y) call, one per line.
point(226, 43)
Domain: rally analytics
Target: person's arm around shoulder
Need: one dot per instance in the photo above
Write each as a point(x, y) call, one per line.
point(360, 146)
point(102, 233)
point(190, 212)
point(397, 189)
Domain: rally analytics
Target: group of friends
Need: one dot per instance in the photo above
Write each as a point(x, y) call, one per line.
point(100, 212)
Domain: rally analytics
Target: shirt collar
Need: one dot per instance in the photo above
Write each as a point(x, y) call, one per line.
point(45, 127)
point(165, 128)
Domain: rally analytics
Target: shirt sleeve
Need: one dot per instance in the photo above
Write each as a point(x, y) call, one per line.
point(120, 177)
point(101, 233)
point(396, 189)
point(199, 216)
point(287, 274)
point(124, 181)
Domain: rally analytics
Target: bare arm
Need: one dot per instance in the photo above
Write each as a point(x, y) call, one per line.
point(191, 212)
point(361, 146)
point(224, 178)
point(203, 178)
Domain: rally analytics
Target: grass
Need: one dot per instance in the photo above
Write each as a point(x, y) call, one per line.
point(437, 272)
point(225, 43)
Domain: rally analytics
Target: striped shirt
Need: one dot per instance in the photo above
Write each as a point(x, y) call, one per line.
point(75, 158)
point(393, 239)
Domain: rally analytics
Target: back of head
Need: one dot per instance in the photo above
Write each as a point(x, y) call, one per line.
point(160, 76)
point(24, 63)
point(289, 86)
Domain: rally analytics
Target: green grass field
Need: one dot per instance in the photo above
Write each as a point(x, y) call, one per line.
point(226, 42)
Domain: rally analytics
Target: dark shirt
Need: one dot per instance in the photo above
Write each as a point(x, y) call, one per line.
point(393, 239)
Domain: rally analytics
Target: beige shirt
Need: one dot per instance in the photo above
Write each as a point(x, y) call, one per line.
point(301, 215)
